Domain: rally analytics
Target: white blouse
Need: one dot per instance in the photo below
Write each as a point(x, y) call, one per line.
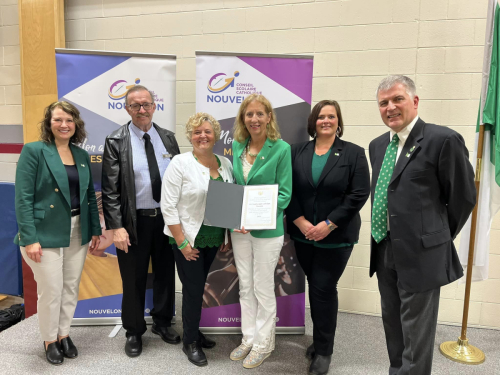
point(245, 164)
point(184, 193)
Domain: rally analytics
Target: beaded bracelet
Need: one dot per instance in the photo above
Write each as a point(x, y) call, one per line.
point(183, 244)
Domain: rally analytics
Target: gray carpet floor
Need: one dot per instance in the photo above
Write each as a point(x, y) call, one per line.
point(359, 349)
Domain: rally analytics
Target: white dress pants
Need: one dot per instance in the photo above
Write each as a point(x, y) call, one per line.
point(58, 278)
point(256, 260)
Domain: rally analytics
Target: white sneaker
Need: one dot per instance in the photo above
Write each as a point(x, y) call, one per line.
point(240, 352)
point(255, 359)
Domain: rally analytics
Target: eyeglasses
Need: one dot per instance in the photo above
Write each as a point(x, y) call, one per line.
point(137, 106)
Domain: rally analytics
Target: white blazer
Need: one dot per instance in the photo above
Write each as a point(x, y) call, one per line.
point(184, 193)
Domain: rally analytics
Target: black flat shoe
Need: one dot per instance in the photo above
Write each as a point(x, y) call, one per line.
point(53, 353)
point(205, 341)
point(195, 354)
point(310, 351)
point(320, 364)
point(68, 348)
point(167, 334)
point(133, 346)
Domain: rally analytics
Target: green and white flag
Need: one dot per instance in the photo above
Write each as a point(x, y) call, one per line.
point(489, 115)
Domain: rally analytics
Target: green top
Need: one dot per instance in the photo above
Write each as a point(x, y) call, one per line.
point(207, 236)
point(318, 163)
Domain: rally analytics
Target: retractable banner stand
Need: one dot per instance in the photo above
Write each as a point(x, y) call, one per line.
point(223, 80)
point(96, 83)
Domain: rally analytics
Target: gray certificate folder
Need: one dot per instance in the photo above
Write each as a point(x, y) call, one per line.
point(224, 205)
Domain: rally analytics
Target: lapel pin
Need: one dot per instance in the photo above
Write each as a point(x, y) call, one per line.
point(413, 148)
point(167, 156)
point(262, 157)
point(407, 155)
point(337, 154)
point(83, 165)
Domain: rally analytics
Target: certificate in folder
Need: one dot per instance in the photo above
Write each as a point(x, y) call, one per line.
point(235, 206)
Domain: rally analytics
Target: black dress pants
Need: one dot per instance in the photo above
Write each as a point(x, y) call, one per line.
point(193, 275)
point(323, 268)
point(152, 243)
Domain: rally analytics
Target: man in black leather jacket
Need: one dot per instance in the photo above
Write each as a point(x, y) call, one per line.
point(135, 158)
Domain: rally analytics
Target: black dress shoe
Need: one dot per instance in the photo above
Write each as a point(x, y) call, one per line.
point(167, 334)
point(53, 353)
point(205, 341)
point(68, 348)
point(133, 345)
point(310, 351)
point(320, 364)
point(195, 353)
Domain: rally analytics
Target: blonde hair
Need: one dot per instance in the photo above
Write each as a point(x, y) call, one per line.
point(240, 132)
point(199, 118)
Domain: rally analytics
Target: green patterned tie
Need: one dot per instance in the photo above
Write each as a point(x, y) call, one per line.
point(379, 210)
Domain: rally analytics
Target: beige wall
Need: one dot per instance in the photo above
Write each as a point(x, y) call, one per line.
point(10, 82)
point(355, 43)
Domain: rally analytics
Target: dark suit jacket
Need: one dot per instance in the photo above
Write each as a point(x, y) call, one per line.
point(342, 190)
point(43, 207)
point(430, 196)
point(118, 181)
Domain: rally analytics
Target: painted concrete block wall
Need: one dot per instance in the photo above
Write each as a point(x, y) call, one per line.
point(10, 86)
point(355, 43)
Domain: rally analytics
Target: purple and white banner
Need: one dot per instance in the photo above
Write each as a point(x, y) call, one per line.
point(223, 80)
point(96, 83)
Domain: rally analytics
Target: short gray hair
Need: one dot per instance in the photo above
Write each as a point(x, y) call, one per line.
point(389, 81)
point(138, 88)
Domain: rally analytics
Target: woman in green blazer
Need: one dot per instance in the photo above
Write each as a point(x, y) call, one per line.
point(259, 158)
point(57, 216)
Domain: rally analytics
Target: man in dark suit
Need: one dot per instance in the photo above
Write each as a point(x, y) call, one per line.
point(422, 194)
point(134, 161)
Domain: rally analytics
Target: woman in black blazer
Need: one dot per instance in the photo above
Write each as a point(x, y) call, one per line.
point(331, 183)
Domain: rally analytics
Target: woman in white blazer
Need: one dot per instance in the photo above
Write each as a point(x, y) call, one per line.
point(183, 201)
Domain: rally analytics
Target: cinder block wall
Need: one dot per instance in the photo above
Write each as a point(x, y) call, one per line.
point(439, 43)
point(10, 87)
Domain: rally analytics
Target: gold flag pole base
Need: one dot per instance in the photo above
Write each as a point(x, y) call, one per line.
point(460, 351)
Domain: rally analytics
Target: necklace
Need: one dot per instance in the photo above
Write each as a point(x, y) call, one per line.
point(209, 165)
point(248, 150)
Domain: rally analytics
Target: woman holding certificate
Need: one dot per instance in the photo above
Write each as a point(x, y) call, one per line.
point(331, 183)
point(260, 157)
point(183, 201)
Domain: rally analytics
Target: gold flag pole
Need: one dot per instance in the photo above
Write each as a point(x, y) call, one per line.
point(460, 350)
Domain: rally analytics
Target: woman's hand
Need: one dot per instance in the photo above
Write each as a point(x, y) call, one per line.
point(303, 224)
point(94, 244)
point(318, 232)
point(34, 252)
point(226, 247)
point(242, 230)
point(190, 253)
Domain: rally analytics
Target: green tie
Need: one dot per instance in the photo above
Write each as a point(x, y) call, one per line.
point(379, 210)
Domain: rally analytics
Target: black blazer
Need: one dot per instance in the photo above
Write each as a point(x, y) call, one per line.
point(342, 190)
point(430, 196)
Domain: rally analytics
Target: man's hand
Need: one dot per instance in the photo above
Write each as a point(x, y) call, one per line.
point(96, 240)
point(34, 252)
point(121, 239)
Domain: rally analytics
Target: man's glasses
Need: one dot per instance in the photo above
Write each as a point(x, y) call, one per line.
point(137, 106)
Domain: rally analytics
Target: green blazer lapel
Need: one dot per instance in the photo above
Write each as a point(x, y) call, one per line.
point(57, 169)
point(83, 169)
point(261, 159)
point(237, 167)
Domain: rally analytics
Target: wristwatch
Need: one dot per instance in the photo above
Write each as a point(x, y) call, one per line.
point(331, 226)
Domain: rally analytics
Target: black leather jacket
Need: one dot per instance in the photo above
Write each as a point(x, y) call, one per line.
point(118, 181)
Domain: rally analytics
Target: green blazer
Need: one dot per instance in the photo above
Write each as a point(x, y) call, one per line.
point(273, 165)
point(43, 207)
